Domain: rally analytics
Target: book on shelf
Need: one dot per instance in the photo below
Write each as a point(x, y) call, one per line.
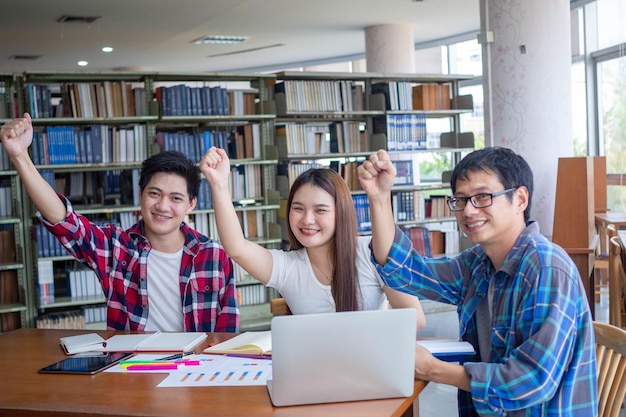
point(247, 343)
point(140, 342)
point(404, 172)
point(420, 238)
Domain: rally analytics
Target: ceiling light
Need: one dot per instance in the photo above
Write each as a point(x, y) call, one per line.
point(25, 57)
point(82, 63)
point(221, 39)
point(77, 19)
point(107, 49)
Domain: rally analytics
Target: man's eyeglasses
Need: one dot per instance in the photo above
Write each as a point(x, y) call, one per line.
point(481, 200)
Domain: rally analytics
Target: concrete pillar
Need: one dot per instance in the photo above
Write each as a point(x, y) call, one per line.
point(390, 48)
point(527, 88)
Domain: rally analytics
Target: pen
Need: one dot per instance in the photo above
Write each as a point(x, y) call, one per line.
point(240, 355)
point(151, 367)
point(177, 356)
point(184, 362)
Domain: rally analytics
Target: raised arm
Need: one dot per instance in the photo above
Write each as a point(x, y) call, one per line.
point(376, 176)
point(17, 136)
point(254, 258)
point(399, 299)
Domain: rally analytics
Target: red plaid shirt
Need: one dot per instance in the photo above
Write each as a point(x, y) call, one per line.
point(119, 258)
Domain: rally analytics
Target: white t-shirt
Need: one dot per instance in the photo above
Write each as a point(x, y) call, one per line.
point(293, 277)
point(165, 311)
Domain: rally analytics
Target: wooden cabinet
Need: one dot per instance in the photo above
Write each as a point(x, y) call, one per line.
point(574, 215)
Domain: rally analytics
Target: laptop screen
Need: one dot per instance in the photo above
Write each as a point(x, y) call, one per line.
point(347, 356)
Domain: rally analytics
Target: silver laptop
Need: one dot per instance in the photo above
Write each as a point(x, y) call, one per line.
point(347, 356)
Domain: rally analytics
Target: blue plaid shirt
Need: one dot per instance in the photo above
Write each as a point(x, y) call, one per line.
point(542, 344)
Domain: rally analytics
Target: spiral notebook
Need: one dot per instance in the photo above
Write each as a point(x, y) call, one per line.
point(347, 356)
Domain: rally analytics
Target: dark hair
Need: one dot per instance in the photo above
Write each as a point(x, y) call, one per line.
point(344, 285)
point(511, 169)
point(173, 162)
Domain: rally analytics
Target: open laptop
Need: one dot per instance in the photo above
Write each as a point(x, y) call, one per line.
point(347, 356)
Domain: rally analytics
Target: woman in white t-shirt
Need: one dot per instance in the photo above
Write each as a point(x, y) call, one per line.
point(328, 268)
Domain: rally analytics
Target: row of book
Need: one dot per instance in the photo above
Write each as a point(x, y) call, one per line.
point(252, 224)
point(112, 187)
point(109, 99)
point(74, 319)
point(3, 107)
point(404, 132)
point(287, 173)
point(194, 145)
point(94, 144)
point(362, 207)
point(416, 205)
point(79, 281)
point(5, 162)
point(406, 96)
point(397, 94)
point(239, 142)
point(321, 138)
point(49, 246)
point(6, 198)
point(184, 100)
point(252, 294)
point(86, 100)
point(318, 96)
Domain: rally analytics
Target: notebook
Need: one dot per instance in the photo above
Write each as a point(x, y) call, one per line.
point(155, 342)
point(347, 356)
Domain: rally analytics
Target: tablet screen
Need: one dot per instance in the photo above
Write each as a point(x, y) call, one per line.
point(85, 364)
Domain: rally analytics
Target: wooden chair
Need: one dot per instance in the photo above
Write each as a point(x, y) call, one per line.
point(611, 363)
point(617, 283)
point(278, 307)
point(602, 265)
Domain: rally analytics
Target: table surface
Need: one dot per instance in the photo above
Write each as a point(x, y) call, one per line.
point(619, 219)
point(24, 392)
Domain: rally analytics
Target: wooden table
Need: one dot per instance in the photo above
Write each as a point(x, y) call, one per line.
point(24, 392)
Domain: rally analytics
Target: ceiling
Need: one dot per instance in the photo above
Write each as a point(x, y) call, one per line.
point(157, 35)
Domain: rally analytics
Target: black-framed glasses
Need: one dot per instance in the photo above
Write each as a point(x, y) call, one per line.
point(481, 200)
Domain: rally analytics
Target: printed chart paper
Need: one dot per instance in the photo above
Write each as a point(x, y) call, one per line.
point(214, 370)
point(220, 370)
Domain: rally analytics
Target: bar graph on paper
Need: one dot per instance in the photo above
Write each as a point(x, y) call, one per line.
point(221, 371)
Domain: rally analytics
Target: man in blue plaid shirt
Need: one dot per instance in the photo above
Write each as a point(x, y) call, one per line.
point(520, 299)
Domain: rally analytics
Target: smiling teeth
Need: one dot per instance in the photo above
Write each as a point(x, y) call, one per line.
point(476, 224)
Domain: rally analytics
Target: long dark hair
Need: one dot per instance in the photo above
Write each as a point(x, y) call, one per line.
point(343, 253)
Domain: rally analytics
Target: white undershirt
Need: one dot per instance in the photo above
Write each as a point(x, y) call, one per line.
point(165, 312)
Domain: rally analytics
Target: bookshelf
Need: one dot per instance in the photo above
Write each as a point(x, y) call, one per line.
point(15, 296)
point(339, 119)
point(126, 117)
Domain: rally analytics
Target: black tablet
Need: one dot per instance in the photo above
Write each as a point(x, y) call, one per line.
point(87, 364)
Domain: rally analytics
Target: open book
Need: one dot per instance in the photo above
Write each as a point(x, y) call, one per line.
point(146, 342)
point(248, 343)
